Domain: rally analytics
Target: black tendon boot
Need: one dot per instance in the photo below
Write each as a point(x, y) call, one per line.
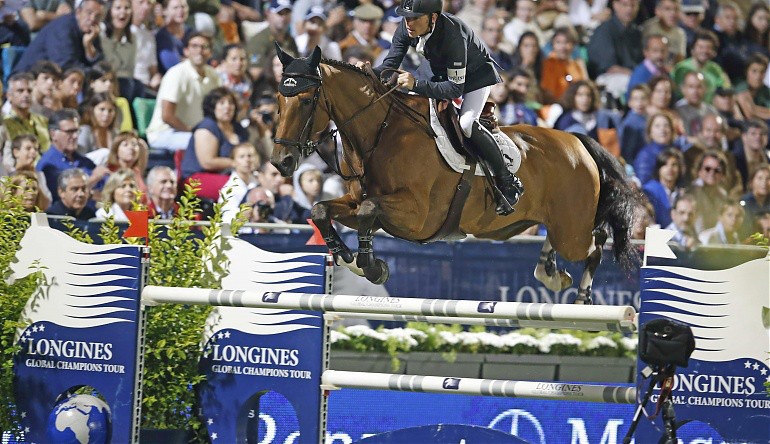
point(510, 186)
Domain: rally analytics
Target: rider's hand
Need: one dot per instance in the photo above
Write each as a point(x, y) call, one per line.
point(362, 64)
point(406, 80)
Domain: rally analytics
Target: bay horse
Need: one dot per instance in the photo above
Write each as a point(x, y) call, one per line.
point(397, 180)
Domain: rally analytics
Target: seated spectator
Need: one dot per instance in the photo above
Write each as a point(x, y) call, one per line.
point(663, 188)
point(615, 47)
point(99, 126)
point(692, 108)
point(661, 95)
point(38, 13)
point(63, 128)
point(703, 50)
point(233, 76)
point(242, 179)
point(516, 110)
point(757, 200)
point(270, 178)
point(169, 40)
point(762, 224)
point(582, 114)
point(726, 230)
point(101, 80)
point(523, 21)
point(146, 64)
point(633, 129)
point(73, 193)
point(315, 35)
point(559, 68)
point(588, 15)
point(733, 46)
point(69, 41)
point(162, 187)
point(707, 189)
point(666, 24)
point(72, 87)
point(683, 215)
point(180, 97)
point(656, 58)
point(127, 151)
point(644, 217)
point(120, 48)
point(690, 20)
point(492, 36)
point(660, 134)
point(21, 120)
point(24, 183)
point(724, 102)
point(308, 182)
point(529, 57)
point(757, 29)
point(262, 203)
point(750, 154)
point(207, 158)
point(753, 96)
point(45, 89)
point(25, 150)
point(260, 45)
point(119, 194)
point(366, 25)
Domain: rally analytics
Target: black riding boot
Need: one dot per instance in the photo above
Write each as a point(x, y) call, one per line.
point(510, 186)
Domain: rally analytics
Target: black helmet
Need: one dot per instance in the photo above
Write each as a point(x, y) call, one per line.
point(416, 8)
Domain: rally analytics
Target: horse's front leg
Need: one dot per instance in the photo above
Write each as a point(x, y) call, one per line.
point(375, 270)
point(322, 215)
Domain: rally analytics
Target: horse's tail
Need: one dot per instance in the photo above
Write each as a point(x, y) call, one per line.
point(616, 202)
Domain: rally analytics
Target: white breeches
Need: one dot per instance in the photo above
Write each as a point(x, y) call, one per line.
point(473, 104)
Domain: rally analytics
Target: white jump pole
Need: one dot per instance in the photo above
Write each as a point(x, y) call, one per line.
point(599, 317)
point(560, 391)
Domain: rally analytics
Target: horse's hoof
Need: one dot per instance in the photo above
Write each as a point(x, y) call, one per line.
point(584, 301)
point(346, 256)
point(566, 279)
point(378, 273)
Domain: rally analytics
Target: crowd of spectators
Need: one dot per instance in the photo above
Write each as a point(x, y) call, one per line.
point(676, 89)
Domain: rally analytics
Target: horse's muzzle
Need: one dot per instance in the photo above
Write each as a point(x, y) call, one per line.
point(286, 166)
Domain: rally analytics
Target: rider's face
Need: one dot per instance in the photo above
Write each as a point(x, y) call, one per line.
point(417, 26)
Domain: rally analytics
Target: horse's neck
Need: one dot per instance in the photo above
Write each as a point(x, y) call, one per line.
point(351, 95)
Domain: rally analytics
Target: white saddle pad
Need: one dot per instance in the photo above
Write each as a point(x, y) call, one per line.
point(511, 149)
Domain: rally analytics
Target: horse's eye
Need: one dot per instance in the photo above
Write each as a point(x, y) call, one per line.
point(306, 101)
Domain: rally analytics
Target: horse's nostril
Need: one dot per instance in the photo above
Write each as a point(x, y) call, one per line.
point(287, 161)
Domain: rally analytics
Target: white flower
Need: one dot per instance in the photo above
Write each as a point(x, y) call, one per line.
point(601, 341)
point(336, 336)
point(401, 335)
point(363, 330)
point(629, 343)
point(513, 339)
point(551, 339)
point(449, 337)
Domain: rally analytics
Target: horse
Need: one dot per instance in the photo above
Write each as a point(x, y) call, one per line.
point(398, 182)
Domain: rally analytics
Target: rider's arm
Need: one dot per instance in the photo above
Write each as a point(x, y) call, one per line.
point(452, 83)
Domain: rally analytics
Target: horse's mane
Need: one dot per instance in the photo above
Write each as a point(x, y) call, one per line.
point(345, 65)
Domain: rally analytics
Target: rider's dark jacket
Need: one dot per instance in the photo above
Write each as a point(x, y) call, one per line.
point(458, 59)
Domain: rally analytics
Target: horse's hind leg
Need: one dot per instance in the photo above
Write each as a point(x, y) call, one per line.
point(322, 215)
point(592, 263)
point(546, 272)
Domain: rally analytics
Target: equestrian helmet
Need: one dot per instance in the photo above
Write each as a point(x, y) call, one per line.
point(417, 8)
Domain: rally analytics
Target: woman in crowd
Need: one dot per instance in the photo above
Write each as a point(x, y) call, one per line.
point(757, 29)
point(529, 56)
point(663, 188)
point(99, 124)
point(757, 200)
point(660, 134)
point(207, 158)
point(559, 68)
point(583, 113)
point(661, 95)
point(233, 73)
point(101, 79)
point(169, 38)
point(118, 195)
point(25, 151)
point(72, 87)
point(726, 230)
point(24, 183)
point(119, 47)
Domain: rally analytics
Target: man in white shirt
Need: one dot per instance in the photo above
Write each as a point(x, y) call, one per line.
point(146, 63)
point(180, 97)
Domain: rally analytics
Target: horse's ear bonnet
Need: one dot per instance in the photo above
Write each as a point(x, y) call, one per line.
point(299, 74)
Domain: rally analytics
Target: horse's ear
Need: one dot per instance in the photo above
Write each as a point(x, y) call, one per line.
point(315, 57)
point(282, 56)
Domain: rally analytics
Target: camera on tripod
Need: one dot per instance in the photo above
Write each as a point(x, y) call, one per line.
point(663, 345)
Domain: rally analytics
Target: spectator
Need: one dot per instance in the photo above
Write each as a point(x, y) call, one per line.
point(63, 128)
point(72, 194)
point(207, 158)
point(45, 89)
point(523, 21)
point(146, 63)
point(707, 189)
point(119, 194)
point(242, 179)
point(270, 178)
point(21, 120)
point(666, 24)
point(390, 23)
point(644, 217)
point(99, 126)
point(753, 96)
point(25, 151)
point(308, 182)
point(683, 215)
point(692, 108)
point(633, 129)
point(38, 13)
point(315, 35)
point(661, 94)
point(126, 151)
point(516, 110)
point(655, 61)
point(712, 133)
point(261, 45)
point(267, 85)
point(693, 13)
point(366, 26)
point(663, 188)
point(588, 15)
point(757, 29)
point(750, 155)
point(120, 48)
point(528, 56)
point(72, 87)
point(703, 51)
point(724, 102)
point(162, 186)
point(180, 97)
point(492, 35)
point(559, 68)
point(757, 200)
point(616, 45)
point(24, 183)
point(660, 133)
point(733, 47)
point(582, 114)
point(262, 203)
point(69, 41)
point(474, 12)
point(232, 75)
point(761, 224)
point(169, 40)
point(726, 230)
point(101, 79)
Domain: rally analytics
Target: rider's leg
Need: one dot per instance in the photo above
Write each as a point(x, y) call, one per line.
point(509, 185)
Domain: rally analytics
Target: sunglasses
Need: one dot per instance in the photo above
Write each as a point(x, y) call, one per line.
point(715, 170)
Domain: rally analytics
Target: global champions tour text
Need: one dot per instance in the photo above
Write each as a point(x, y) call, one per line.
point(57, 348)
point(257, 355)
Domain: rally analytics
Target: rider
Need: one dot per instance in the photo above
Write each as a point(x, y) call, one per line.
point(460, 70)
